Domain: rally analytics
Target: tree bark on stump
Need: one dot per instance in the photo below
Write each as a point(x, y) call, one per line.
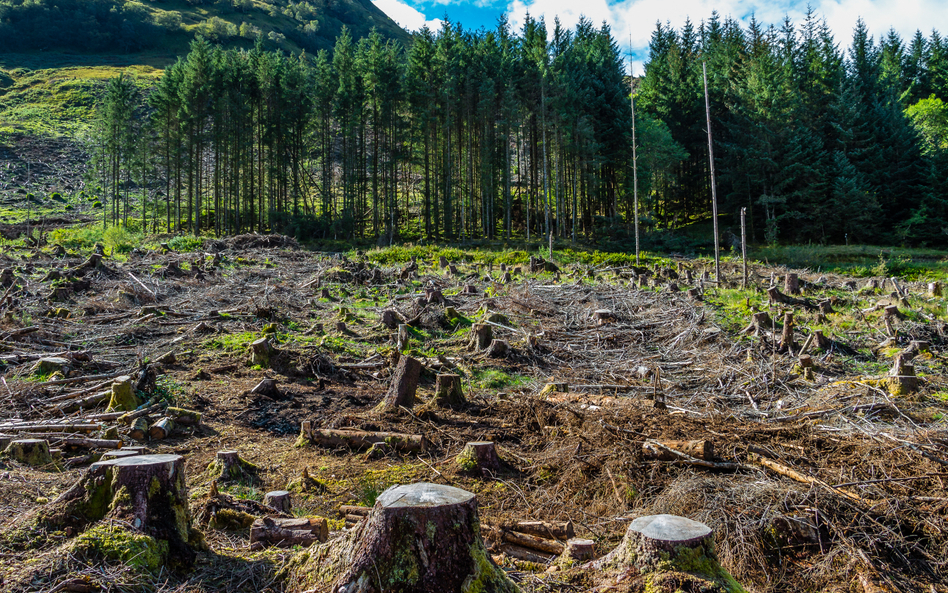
point(759, 322)
point(659, 545)
point(786, 337)
point(401, 341)
point(479, 457)
point(448, 392)
point(404, 384)
point(481, 336)
point(229, 466)
point(498, 349)
point(148, 492)
point(30, 451)
point(791, 284)
point(418, 538)
point(577, 550)
point(390, 319)
point(278, 499)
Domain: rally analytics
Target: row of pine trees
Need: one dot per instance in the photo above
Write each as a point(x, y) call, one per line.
point(498, 134)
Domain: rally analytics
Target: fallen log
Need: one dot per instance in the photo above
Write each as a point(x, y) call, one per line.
point(791, 473)
point(700, 449)
point(358, 439)
point(288, 532)
point(533, 542)
point(547, 529)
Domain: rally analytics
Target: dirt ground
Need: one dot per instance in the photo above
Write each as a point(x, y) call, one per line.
point(865, 512)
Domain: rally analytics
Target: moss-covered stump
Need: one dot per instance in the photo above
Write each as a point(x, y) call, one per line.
point(29, 451)
point(123, 396)
point(448, 392)
point(145, 492)
point(672, 553)
point(229, 466)
point(479, 458)
point(50, 365)
point(418, 538)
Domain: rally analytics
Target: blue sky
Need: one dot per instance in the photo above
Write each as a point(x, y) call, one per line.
point(637, 18)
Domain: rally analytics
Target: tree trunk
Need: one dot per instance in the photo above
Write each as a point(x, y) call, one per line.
point(418, 538)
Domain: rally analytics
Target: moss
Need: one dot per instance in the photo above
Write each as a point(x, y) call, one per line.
point(113, 543)
point(700, 562)
point(231, 520)
point(466, 460)
point(486, 576)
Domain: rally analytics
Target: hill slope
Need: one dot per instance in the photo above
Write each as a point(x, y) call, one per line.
point(122, 27)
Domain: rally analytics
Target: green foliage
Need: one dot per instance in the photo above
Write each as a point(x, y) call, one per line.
point(186, 243)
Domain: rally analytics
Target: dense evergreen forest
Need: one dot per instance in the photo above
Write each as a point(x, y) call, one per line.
point(501, 133)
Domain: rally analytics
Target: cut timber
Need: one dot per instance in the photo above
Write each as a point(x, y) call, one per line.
point(30, 451)
point(663, 546)
point(161, 429)
point(533, 542)
point(286, 533)
point(479, 457)
point(184, 416)
point(278, 499)
point(404, 384)
point(701, 449)
point(358, 439)
point(230, 466)
point(261, 352)
point(448, 392)
point(139, 429)
point(419, 538)
point(145, 492)
point(498, 349)
point(481, 336)
point(547, 529)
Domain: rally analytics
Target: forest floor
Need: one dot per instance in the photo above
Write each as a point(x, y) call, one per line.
point(863, 507)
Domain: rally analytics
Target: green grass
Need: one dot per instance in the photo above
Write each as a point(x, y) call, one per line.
point(859, 260)
point(231, 342)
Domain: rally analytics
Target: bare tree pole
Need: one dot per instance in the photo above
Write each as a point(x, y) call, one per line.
point(635, 160)
point(744, 242)
point(714, 191)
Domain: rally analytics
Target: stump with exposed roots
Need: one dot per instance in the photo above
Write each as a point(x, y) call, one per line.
point(418, 538)
point(672, 553)
point(146, 494)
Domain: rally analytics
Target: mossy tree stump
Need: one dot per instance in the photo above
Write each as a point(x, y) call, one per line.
point(418, 538)
point(146, 492)
point(262, 352)
point(123, 395)
point(448, 392)
point(30, 451)
point(670, 549)
point(479, 457)
point(230, 467)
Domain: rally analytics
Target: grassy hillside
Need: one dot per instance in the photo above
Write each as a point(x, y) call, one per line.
point(168, 26)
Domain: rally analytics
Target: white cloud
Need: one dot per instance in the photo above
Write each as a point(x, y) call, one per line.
point(405, 15)
point(638, 17)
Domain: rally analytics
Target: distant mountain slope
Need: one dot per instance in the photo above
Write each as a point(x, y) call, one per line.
point(122, 26)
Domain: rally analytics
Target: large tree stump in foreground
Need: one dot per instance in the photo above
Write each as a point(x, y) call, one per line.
point(672, 553)
point(145, 492)
point(419, 538)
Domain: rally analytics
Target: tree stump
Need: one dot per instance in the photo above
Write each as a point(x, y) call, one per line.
point(267, 387)
point(891, 312)
point(934, 289)
point(786, 337)
point(401, 341)
point(448, 392)
point(791, 284)
point(498, 349)
point(278, 499)
point(442, 262)
point(759, 322)
point(481, 336)
point(902, 379)
point(506, 279)
point(146, 492)
point(577, 550)
point(262, 352)
point(418, 538)
point(401, 392)
point(51, 364)
point(123, 396)
point(603, 316)
point(470, 289)
point(480, 458)
point(826, 307)
point(118, 454)
point(434, 297)
point(230, 467)
point(660, 545)
point(390, 319)
point(30, 451)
